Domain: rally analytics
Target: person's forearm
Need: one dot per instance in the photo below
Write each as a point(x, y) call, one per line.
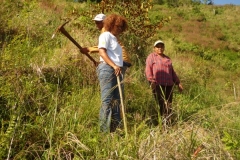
point(149, 74)
point(103, 54)
point(93, 49)
point(175, 78)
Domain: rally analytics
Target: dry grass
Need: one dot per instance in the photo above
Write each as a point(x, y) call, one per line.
point(209, 33)
point(187, 141)
point(196, 135)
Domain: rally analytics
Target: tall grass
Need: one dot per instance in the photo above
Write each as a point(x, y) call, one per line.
point(50, 95)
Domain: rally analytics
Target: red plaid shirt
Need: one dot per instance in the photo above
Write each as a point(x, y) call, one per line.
point(160, 70)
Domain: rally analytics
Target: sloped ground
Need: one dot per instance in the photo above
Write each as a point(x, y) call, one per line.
point(207, 26)
point(76, 107)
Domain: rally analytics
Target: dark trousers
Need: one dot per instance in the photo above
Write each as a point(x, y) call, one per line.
point(164, 96)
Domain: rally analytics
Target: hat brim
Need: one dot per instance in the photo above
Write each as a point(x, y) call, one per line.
point(158, 42)
point(96, 19)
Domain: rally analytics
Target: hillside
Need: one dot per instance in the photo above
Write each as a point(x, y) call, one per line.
point(49, 92)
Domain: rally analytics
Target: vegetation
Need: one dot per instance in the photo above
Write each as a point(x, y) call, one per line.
point(49, 93)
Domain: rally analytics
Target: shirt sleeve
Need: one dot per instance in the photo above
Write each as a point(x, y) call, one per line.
point(94, 49)
point(149, 69)
point(175, 77)
point(103, 40)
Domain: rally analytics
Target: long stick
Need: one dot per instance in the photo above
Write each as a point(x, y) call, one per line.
point(123, 111)
point(66, 34)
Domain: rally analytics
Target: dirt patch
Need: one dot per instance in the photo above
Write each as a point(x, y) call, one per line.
point(198, 33)
point(201, 33)
point(47, 5)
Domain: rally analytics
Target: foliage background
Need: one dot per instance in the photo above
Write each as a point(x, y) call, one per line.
point(49, 93)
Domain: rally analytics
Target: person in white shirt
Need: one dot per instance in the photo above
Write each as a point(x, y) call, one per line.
point(109, 68)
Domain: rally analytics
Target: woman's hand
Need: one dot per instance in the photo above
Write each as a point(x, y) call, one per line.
point(104, 55)
point(153, 85)
point(117, 70)
point(180, 87)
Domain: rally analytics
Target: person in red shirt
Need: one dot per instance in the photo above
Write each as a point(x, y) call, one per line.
point(162, 78)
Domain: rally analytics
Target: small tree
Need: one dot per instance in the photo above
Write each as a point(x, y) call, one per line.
point(141, 29)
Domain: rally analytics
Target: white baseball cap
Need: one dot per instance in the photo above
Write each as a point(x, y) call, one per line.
point(159, 41)
point(100, 17)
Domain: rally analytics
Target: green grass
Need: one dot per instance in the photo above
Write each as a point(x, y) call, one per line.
point(50, 99)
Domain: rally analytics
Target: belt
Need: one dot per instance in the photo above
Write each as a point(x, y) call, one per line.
point(127, 64)
point(106, 63)
point(124, 63)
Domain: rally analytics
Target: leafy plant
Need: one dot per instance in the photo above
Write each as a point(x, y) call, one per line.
point(230, 141)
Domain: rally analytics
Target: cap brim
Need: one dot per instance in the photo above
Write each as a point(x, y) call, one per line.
point(96, 19)
point(158, 42)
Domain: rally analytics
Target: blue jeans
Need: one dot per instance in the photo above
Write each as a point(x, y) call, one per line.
point(110, 108)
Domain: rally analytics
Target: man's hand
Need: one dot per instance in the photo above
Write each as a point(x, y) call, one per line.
point(84, 50)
